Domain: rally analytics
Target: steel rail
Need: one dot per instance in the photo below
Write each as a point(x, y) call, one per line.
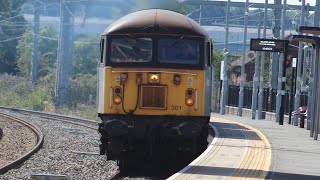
point(47, 115)
point(24, 157)
point(1, 133)
point(74, 122)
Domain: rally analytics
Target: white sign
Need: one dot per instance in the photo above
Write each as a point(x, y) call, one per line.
point(267, 43)
point(294, 62)
point(221, 70)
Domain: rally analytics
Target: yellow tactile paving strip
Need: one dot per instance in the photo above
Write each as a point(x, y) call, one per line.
point(240, 152)
point(256, 161)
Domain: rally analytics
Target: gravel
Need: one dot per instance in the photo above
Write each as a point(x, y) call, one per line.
point(16, 141)
point(57, 155)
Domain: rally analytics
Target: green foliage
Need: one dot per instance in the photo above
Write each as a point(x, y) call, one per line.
point(47, 52)
point(85, 56)
point(217, 57)
point(19, 92)
point(24, 53)
point(10, 31)
point(81, 88)
point(83, 83)
point(164, 4)
point(139, 4)
point(182, 9)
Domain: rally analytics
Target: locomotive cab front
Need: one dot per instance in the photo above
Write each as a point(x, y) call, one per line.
point(154, 84)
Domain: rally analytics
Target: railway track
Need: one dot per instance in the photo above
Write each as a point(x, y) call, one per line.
point(116, 174)
point(39, 141)
point(70, 149)
point(68, 119)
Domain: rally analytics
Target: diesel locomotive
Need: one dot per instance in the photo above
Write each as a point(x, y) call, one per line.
point(154, 85)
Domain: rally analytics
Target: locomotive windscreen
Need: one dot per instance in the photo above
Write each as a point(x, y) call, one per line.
point(124, 50)
point(178, 51)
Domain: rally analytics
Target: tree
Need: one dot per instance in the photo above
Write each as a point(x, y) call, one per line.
point(164, 4)
point(12, 26)
point(217, 57)
point(81, 88)
point(47, 52)
point(85, 56)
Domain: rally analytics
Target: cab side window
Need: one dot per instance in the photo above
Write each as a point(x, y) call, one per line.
point(102, 50)
point(209, 49)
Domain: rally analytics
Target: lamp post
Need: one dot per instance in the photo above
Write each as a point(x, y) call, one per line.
point(298, 83)
point(308, 53)
point(311, 95)
point(304, 70)
point(35, 45)
point(244, 45)
point(274, 61)
point(281, 72)
point(263, 57)
point(200, 14)
point(255, 77)
point(224, 88)
point(294, 23)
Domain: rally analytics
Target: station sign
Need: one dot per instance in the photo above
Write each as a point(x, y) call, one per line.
point(272, 45)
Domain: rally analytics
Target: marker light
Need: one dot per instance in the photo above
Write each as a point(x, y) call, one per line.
point(189, 102)
point(189, 92)
point(176, 79)
point(123, 78)
point(154, 78)
point(139, 78)
point(117, 90)
point(117, 100)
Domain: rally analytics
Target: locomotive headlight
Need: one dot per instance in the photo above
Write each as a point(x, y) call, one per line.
point(189, 102)
point(154, 78)
point(117, 100)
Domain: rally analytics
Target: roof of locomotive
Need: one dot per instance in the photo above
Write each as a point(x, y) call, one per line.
point(156, 21)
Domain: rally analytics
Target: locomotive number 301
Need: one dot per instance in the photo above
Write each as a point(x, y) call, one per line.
point(176, 108)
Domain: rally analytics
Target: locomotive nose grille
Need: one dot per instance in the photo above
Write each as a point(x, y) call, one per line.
point(153, 97)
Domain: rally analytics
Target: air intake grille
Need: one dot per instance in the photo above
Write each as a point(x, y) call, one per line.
point(153, 97)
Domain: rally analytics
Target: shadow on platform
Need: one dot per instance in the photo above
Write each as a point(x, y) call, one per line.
point(224, 171)
point(235, 131)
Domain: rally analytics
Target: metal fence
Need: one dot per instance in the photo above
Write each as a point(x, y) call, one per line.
point(269, 98)
point(216, 92)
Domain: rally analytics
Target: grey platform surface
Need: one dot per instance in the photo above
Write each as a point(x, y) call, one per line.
point(295, 155)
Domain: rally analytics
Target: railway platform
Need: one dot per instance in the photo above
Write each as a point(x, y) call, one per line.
point(255, 149)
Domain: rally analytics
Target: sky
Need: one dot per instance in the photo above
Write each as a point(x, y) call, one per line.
point(292, 2)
